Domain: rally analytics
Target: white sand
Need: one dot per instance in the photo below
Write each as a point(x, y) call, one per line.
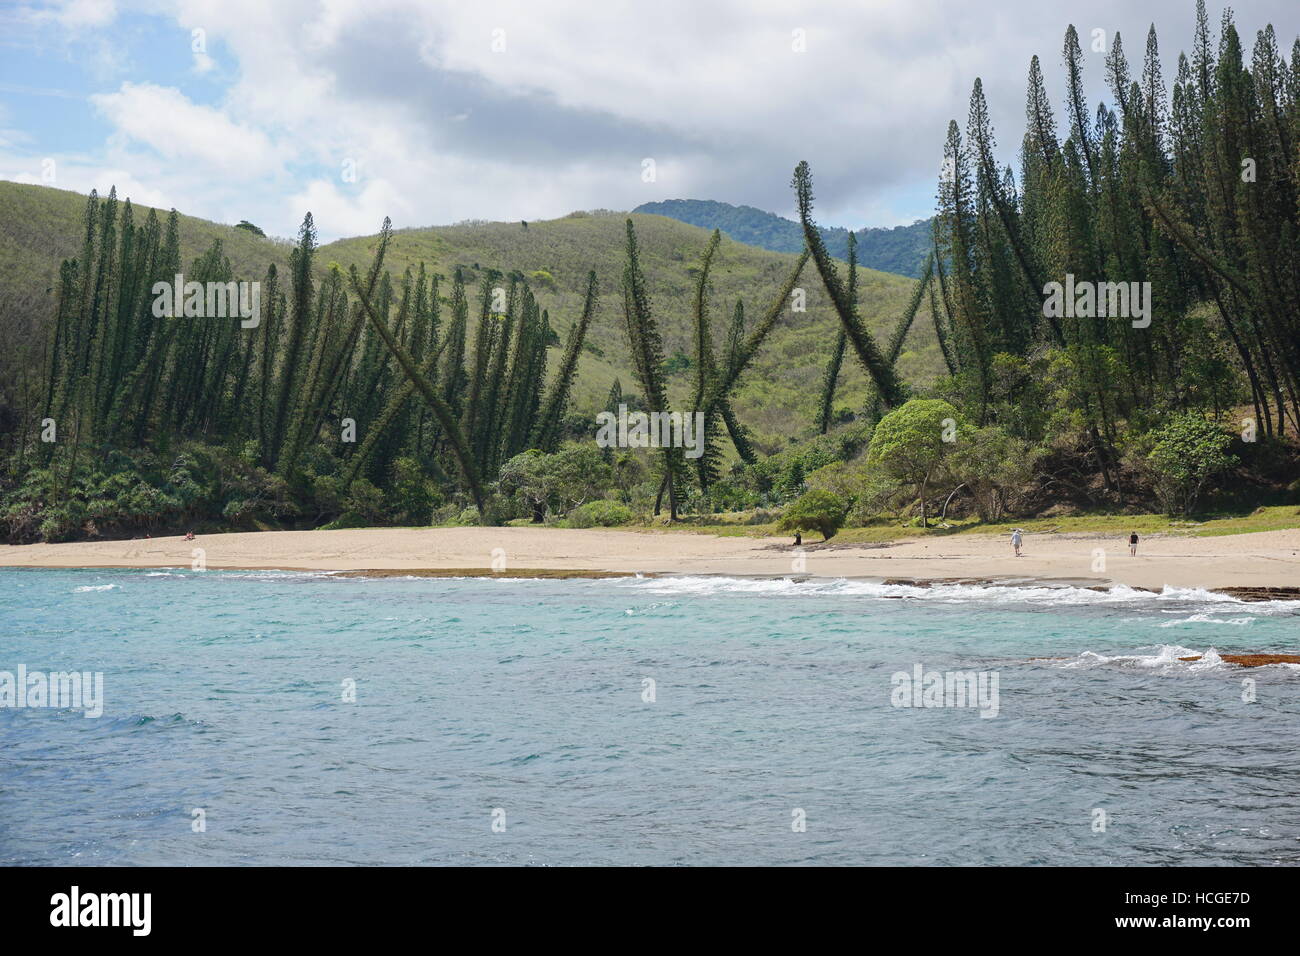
point(1263, 559)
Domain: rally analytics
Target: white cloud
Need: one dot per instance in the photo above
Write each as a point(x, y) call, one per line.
point(345, 214)
point(77, 14)
point(444, 128)
point(163, 119)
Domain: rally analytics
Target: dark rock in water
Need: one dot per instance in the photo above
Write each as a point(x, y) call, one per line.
point(1261, 594)
point(1253, 660)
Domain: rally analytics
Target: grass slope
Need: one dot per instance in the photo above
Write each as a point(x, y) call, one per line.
point(777, 400)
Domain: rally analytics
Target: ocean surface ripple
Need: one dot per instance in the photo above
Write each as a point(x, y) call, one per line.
point(669, 721)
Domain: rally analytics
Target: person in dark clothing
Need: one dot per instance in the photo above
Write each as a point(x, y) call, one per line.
point(1133, 544)
point(798, 539)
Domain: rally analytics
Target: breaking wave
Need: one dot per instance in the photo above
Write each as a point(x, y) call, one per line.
point(1163, 658)
point(1200, 600)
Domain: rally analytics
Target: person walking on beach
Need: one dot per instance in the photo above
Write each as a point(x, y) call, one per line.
point(1133, 544)
point(798, 539)
point(1015, 541)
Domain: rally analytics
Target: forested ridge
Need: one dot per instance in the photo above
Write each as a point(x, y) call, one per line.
point(900, 249)
point(368, 394)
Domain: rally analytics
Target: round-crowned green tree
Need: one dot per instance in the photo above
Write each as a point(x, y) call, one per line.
point(911, 443)
point(816, 510)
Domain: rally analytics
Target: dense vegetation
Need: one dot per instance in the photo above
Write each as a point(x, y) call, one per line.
point(377, 389)
point(305, 406)
point(900, 249)
point(1192, 196)
point(40, 226)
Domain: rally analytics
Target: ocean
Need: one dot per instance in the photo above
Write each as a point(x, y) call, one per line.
point(313, 719)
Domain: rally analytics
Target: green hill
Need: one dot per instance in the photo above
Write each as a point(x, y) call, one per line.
point(40, 226)
point(901, 249)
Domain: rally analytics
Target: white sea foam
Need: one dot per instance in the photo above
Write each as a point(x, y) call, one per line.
point(93, 587)
point(1204, 602)
point(1161, 659)
point(1208, 617)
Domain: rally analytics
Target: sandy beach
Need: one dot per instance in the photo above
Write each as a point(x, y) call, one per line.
point(1257, 560)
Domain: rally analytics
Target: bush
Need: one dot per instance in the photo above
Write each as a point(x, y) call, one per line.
point(327, 496)
point(599, 514)
point(364, 502)
point(413, 494)
point(555, 483)
point(816, 510)
point(1187, 453)
point(996, 468)
point(59, 525)
point(543, 278)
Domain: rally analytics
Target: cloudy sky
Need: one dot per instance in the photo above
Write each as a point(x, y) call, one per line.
point(433, 112)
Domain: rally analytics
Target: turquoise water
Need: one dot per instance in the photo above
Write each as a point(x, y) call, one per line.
point(224, 691)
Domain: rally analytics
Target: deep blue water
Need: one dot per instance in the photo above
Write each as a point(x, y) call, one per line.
point(224, 691)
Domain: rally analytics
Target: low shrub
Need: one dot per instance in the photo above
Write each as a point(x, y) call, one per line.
point(599, 514)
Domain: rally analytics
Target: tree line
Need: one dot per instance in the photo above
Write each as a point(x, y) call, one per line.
point(346, 390)
point(360, 396)
point(1188, 196)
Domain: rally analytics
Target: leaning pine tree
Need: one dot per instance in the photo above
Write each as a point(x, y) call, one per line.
point(648, 362)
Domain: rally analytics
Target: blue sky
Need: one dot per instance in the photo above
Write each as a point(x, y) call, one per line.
point(519, 110)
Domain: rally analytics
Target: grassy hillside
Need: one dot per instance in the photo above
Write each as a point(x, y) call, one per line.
point(901, 249)
point(40, 226)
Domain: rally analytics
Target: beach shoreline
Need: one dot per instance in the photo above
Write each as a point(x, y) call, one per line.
point(1253, 566)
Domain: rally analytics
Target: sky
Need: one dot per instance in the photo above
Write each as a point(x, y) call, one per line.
point(434, 112)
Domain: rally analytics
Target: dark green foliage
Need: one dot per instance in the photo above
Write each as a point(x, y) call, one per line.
point(546, 433)
point(881, 372)
point(1187, 452)
point(648, 362)
point(338, 357)
point(1192, 190)
point(832, 374)
point(361, 395)
point(550, 484)
point(599, 514)
point(816, 510)
point(443, 412)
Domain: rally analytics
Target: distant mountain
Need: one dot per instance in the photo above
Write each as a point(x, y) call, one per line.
point(900, 250)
